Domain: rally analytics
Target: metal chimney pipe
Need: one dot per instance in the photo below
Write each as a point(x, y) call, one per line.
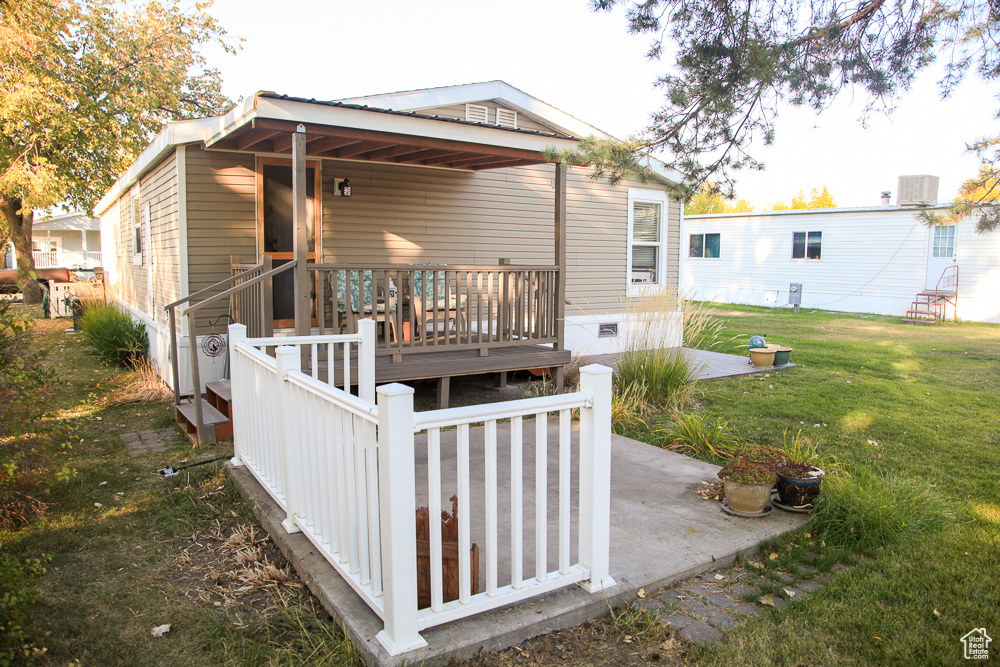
point(886, 196)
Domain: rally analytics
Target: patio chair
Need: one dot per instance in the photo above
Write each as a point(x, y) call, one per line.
point(362, 300)
point(450, 311)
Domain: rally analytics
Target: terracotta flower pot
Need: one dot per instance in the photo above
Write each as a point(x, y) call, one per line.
point(747, 498)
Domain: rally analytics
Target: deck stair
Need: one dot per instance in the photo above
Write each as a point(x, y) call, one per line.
point(220, 396)
point(217, 425)
point(931, 306)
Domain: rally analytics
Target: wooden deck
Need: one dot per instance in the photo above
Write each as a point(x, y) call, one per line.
point(448, 363)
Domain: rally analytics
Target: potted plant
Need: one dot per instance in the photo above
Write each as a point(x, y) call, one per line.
point(800, 478)
point(747, 485)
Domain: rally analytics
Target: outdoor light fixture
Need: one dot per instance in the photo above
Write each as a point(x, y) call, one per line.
point(345, 188)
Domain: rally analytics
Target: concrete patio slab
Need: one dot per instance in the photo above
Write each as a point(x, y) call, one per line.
point(661, 532)
point(707, 365)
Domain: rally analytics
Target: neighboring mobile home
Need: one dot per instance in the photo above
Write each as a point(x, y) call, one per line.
point(437, 212)
point(873, 259)
point(71, 241)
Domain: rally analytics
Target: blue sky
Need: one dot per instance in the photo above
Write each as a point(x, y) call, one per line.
point(586, 64)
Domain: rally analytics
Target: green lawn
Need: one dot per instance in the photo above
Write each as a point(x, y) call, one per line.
point(131, 551)
point(930, 398)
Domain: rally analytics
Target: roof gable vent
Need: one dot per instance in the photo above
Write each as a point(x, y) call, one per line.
point(917, 190)
point(506, 118)
point(475, 113)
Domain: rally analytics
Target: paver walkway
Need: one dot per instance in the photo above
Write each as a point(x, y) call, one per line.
point(148, 442)
point(707, 365)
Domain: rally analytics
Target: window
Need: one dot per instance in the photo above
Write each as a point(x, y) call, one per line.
point(476, 113)
point(944, 241)
point(136, 232)
point(705, 245)
point(646, 242)
point(506, 118)
point(807, 245)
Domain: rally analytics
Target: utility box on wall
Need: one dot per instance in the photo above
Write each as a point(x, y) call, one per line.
point(795, 295)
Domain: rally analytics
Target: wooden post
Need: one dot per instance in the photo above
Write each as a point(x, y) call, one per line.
point(174, 361)
point(443, 392)
point(267, 299)
point(595, 477)
point(301, 242)
point(560, 262)
point(397, 501)
point(237, 333)
point(205, 437)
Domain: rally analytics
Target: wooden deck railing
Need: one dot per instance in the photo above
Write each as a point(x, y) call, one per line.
point(424, 307)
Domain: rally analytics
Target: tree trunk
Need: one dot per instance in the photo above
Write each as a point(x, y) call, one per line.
point(19, 222)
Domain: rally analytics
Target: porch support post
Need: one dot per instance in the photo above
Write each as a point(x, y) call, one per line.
point(560, 262)
point(299, 222)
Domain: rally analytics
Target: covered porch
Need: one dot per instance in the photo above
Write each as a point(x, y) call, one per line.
point(437, 318)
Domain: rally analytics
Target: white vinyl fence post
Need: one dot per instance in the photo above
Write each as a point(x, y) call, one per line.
point(366, 360)
point(288, 359)
point(595, 478)
point(237, 333)
point(397, 512)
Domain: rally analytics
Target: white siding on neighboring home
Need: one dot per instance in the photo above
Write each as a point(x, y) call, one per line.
point(979, 274)
point(872, 260)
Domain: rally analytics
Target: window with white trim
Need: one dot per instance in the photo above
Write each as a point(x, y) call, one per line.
point(475, 113)
point(944, 241)
point(705, 245)
point(136, 232)
point(646, 242)
point(807, 245)
point(506, 118)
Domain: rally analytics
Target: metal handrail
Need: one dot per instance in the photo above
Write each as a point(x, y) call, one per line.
point(193, 334)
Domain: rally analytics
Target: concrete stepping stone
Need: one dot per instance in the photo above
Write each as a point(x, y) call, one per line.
point(700, 633)
point(808, 586)
point(783, 576)
point(746, 610)
point(743, 590)
point(676, 621)
point(699, 609)
point(722, 600)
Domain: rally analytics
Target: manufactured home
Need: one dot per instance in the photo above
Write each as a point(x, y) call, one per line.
point(71, 241)
point(443, 214)
point(875, 259)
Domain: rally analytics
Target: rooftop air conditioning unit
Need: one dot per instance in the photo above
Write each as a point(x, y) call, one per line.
point(917, 190)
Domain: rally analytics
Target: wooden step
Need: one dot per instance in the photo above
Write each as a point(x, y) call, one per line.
point(919, 320)
point(217, 425)
point(220, 395)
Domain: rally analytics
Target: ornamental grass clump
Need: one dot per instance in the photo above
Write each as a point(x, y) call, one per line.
point(113, 337)
point(698, 436)
point(867, 511)
point(651, 357)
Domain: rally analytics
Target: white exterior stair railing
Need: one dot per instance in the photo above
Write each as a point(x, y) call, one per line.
point(344, 470)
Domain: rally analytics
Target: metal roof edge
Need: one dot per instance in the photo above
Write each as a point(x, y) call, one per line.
point(820, 211)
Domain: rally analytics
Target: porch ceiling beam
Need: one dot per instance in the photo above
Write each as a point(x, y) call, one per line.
point(324, 145)
point(283, 144)
point(396, 138)
point(473, 161)
point(393, 151)
point(451, 157)
point(420, 156)
point(361, 147)
point(503, 163)
point(251, 139)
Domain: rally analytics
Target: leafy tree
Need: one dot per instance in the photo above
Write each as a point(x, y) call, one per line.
point(978, 196)
point(736, 64)
point(710, 200)
point(83, 86)
point(818, 199)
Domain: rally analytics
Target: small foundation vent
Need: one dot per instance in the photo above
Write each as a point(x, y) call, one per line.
point(607, 330)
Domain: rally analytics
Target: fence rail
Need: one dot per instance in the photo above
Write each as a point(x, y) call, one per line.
point(66, 258)
point(434, 307)
point(344, 470)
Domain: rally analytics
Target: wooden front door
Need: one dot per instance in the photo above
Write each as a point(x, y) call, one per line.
point(276, 229)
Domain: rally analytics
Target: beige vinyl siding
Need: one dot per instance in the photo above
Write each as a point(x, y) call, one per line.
point(159, 189)
point(221, 219)
point(131, 284)
point(458, 111)
point(409, 214)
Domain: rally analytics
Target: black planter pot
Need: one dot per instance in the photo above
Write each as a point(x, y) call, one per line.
point(798, 493)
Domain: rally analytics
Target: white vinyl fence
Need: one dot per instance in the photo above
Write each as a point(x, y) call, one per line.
point(344, 470)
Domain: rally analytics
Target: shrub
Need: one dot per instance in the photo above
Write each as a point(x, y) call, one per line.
point(23, 379)
point(650, 359)
point(698, 436)
point(868, 511)
point(17, 594)
point(113, 337)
